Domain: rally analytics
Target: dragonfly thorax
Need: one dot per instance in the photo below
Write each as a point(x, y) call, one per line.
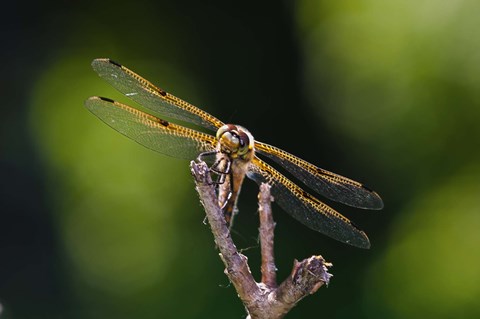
point(235, 141)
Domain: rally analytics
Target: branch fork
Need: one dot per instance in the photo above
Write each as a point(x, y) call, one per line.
point(265, 299)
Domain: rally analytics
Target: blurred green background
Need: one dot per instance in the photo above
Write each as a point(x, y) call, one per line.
point(386, 92)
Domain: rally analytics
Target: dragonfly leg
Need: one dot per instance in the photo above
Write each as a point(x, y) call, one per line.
point(205, 154)
point(224, 204)
point(220, 179)
point(221, 167)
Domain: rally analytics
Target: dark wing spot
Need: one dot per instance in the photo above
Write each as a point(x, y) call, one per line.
point(115, 63)
point(162, 92)
point(106, 99)
point(163, 122)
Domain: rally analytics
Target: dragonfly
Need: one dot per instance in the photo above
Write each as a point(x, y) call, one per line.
point(238, 154)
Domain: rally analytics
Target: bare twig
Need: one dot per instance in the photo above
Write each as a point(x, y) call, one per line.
point(261, 300)
point(267, 226)
point(236, 264)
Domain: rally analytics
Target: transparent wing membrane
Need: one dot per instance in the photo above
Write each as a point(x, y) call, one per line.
point(151, 97)
point(305, 208)
point(154, 133)
point(328, 184)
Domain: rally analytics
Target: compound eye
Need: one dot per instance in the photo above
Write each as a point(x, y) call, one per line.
point(244, 143)
point(225, 128)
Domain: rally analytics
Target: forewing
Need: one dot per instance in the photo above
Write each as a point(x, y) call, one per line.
point(305, 208)
point(152, 132)
point(328, 184)
point(151, 97)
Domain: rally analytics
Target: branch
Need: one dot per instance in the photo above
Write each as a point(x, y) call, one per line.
point(267, 226)
point(237, 268)
point(264, 299)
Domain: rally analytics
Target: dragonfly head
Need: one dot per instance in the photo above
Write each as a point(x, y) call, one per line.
point(235, 141)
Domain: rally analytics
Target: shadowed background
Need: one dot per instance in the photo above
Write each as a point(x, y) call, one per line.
point(92, 225)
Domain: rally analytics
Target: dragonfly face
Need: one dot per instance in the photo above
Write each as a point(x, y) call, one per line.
point(234, 147)
point(235, 141)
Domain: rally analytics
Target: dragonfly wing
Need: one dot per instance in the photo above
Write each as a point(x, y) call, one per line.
point(328, 184)
point(306, 208)
point(151, 97)
point(152, 132)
